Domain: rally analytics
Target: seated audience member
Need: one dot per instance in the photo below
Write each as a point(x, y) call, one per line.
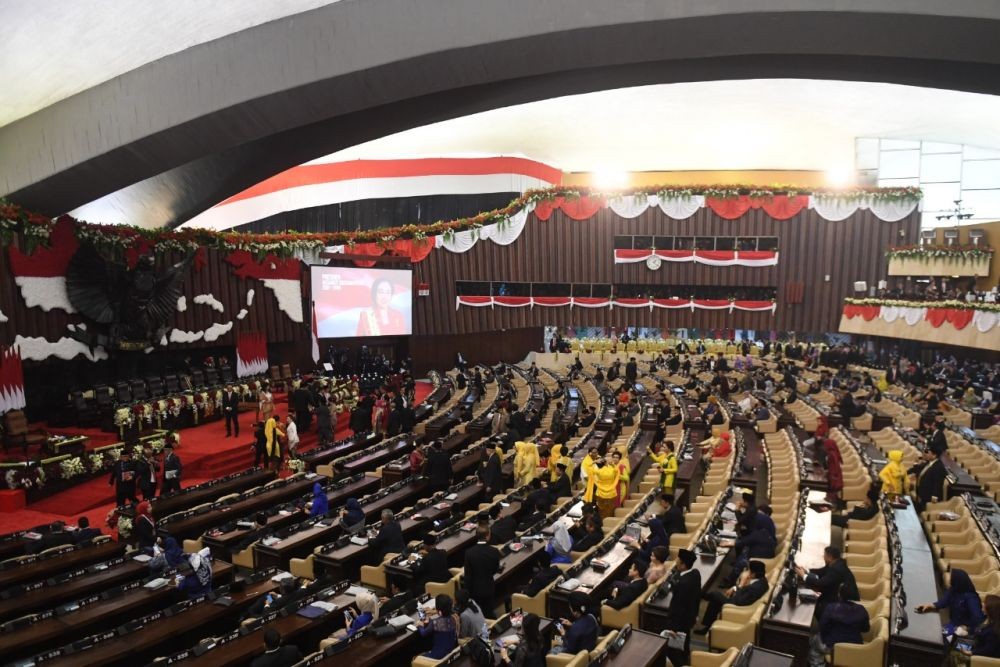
point(842, 621)
point(368, 611)
point(545, 575)
point(593, 533)
point(671, 516)
point(276, 655)
point(862, 512)
point(751, 586)
point(389, 538)
point(144, 527)
point(54, 538)
point(433, 565)
point(962, 602)
point(502, 529)
point(471, 618)
point(625, 593)
point(560, 544)
point(352, 517)
point(442, 626)
point(195, 576)
point(832, 580)
point(320, 504)
point(169, 556)
point(657, 538)
point(580, 633)
point(657, 564)
point(289, 591)
point(529, 649)
point(84, 533)
point(398, 596)
point(987, 636)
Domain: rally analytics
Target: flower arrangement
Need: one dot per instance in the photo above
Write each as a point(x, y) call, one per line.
point(97, 463)
point(124, 525)
point(123, 417)
point(156, 444)
point(296, 465)
point(174, 406)
point(926, 253)
point(147, 412)
point(117, 238)
point(957, 305)
point(25, 478)
point(72, 467)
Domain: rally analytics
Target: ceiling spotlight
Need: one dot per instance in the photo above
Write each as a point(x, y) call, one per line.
point(609, 179)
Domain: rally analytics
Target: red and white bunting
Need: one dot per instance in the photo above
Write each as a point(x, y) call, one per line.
point(602, 302)
point(709, 257)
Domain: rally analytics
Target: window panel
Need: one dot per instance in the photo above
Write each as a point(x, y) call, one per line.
point(945, 168)
point(981, 174)
point(899, 164)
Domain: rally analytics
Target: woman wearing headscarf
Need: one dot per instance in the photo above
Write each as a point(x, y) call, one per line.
point(893, 475)
point(144, 527)
point(170, 555)
point(560, 544)
point(352, 517)
point(272, 431)
point(320, 503)
point(658, 537)
point(962, 602)
point(526, 470)
point(555, 456)
point(198, 581)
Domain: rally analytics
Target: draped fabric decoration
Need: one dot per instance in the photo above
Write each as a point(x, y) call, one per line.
point(936, 315)
point(251, 355)
point(41, 275)
point(11, 380)
point(604, 302)
point(283, 276)
point(710, 257)
point(831, 208)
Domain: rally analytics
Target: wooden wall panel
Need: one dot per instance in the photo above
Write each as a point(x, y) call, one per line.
point(569, 251)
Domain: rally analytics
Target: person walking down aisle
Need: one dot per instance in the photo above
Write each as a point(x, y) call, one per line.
point(123, 478)
point(172, 469)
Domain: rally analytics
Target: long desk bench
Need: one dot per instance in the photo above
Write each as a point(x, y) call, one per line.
point(43, 568)
point(163, 506)
point(95, 614)
point(193, 526)
point(919, 643)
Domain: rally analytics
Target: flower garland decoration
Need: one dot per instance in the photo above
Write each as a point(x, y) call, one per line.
point(899, 303)
point(926, 253)
point(118, 238)
point(72, 467)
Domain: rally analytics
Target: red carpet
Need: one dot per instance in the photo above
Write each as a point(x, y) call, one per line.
point(205, 451)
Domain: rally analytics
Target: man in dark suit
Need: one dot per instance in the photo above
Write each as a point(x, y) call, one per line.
point(671, 517)
point(396, 599)
point(939, 441)
point(438, 468)
point(482, 563)
point(931, 476)
point(560, 487)
point(624, 594)
point(276, 655)
point(683, 610)
point(389, 539)
point(631, 371)
point(54, 538)
point(145, 470)
point(123, 477)
point(302, 401)
point(501, 528)
point(829, 578)
point(171, 470)
point(433, 565)
point(230, 408)
point(751, 587)
point(84, 533)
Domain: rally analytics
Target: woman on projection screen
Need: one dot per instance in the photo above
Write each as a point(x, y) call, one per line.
point(380, 319)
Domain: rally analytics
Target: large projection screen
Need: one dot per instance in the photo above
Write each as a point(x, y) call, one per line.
point(353, 302)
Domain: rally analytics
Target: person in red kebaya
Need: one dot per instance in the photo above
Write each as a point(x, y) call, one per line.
point(380, 319)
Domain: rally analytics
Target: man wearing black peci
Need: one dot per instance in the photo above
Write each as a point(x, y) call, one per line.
point(482, 563)
point(123, 477)
point(683, 610)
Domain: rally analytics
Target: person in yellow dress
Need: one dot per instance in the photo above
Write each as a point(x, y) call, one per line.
point(667, 460)
point(272, 433)
point(603, 488)
point(894, 479)
point(620, 461)
point(587, 469)
point(525, 462)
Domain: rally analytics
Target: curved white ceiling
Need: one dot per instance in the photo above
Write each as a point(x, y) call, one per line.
point(753, 124)
point(56, 48)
